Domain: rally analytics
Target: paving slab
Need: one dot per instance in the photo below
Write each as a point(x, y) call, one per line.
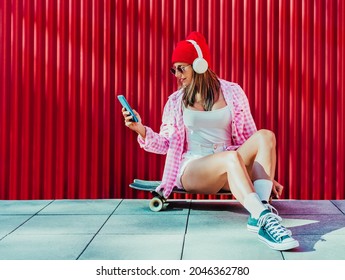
point(222, 246)
point(11, 222)
point(340, 204)
point(43, 247)
point(62, 224)
point(82, 206)
point(315, 224)
point(230, 224)
point(318, 247)
point(145, 224)
point(134, 247)
point(305, 207)
point(18, 207)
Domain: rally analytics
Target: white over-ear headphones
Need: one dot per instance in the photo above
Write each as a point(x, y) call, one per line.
point(200, 65)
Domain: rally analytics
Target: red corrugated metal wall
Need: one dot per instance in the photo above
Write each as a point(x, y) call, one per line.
point(64, 62)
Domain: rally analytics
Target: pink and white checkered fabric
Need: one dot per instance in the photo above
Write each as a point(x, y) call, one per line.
point(171, 138)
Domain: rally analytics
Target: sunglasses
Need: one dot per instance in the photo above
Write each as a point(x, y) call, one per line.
point(180, 69)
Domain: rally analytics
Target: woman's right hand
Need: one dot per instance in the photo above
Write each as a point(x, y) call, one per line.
point(135, 126)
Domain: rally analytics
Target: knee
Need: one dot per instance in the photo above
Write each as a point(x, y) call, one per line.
point(232, 158)
point(267, 138)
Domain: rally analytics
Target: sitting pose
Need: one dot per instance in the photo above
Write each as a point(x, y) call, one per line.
point(212, 144)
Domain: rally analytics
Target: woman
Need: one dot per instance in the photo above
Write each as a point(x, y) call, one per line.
point(212, 143)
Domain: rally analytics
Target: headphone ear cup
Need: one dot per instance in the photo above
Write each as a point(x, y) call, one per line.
point(200, 65)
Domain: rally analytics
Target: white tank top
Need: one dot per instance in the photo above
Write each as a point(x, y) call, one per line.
point(208, 129)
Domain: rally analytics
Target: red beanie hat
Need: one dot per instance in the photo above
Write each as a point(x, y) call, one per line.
point(186, 52)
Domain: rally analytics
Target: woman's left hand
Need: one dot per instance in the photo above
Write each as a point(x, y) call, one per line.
point(277, 190)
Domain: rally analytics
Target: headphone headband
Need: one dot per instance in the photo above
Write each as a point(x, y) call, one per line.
point(197, 48)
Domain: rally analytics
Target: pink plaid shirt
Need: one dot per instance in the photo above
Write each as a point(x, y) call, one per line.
point(171, 138)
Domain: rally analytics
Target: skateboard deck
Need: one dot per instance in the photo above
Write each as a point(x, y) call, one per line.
point(158, 202)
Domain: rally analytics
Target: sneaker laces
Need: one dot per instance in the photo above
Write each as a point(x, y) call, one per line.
point(275, 211)
point(270, 207)
point(271, 222)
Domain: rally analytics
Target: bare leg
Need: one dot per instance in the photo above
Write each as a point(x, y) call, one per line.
point(225, 170)
point(259, 155)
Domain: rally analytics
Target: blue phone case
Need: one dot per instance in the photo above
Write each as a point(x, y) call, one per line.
point(128, 108)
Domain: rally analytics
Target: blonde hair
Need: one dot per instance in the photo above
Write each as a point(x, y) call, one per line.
point(207, 84)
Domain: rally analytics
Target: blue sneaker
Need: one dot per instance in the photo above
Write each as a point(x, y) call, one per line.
point(273, 233)
point(252, 224)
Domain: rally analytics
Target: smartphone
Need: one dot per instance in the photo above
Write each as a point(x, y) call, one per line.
point(128, 108)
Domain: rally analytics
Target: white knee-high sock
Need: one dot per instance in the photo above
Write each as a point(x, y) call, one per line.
point(263, 188)
point(253, 204)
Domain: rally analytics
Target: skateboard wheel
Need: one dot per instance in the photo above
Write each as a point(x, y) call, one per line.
point(156, 204)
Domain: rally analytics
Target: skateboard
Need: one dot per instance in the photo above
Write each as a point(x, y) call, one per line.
point(158, 201)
